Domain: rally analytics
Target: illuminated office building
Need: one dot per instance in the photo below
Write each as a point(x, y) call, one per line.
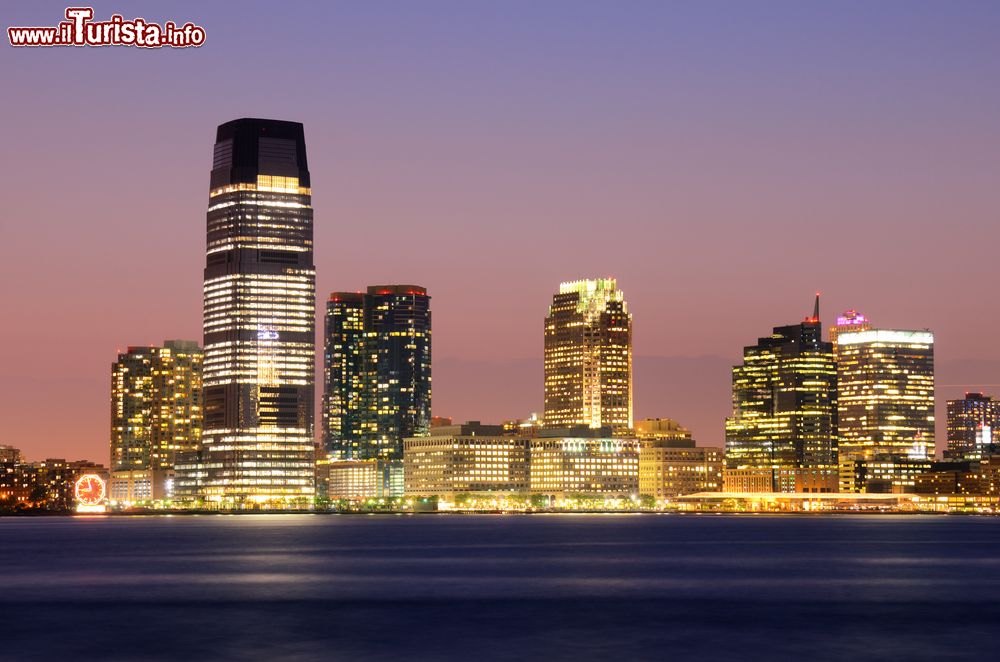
point(883, 475)
point(377, 366)
point(670, 463)
point(588, 357)
point(466, 459)
point(345, 390)
point(669, 468)
point(849, 321)
point(972, 422)
point(785, 401)
point(359, 479)
point(259, 320)
point(156, 413)
point(886, 394)
point(564, 467)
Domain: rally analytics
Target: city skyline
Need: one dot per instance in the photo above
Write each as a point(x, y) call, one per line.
point(581, 329)
point(469, 182)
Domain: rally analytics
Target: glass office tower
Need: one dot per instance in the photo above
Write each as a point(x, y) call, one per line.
point(259, 319)
point(377, 366)
point(785, 401)
point(972, 424)
point(886, 394)
point(588, 357)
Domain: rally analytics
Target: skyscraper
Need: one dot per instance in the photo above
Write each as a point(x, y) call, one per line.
point(972, 425)
point(588, 357)
point(785, 401)
point(377, 364)
point(885, 394)
point(259, 318)
point(156, 413)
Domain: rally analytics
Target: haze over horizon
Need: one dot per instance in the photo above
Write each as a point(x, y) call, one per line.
point(723, 161)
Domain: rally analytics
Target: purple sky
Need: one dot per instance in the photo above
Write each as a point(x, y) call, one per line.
point(723, 160)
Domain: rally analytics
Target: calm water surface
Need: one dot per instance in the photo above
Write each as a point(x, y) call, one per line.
point(500, 587)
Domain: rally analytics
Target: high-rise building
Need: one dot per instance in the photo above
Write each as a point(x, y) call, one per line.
point(588, 357)
point(156, 413)
point(885, 394)
point(971, 425)
point(346, 395)
point(259, 320)
point(377, 364)
point(849, 321)
point(785, 401)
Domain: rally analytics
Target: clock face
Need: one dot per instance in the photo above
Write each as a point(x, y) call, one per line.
point(89, 490)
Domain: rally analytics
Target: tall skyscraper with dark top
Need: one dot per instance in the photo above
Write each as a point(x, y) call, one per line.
point(785, 401)
point(588, 357)
point(377, 366)
point(259, 318)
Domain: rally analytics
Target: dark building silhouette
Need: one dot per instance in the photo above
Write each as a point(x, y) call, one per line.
point(377, 368)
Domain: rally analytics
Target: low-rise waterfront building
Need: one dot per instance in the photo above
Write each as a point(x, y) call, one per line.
point(668, 468)
point(748, 480)
point(786, 480)
point(969, 478)
point(885, 475)
point(359, 479)
point(801, 502)
point(564, 467)
point(465, 459)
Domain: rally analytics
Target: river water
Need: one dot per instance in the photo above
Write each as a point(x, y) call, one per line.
point(500, 587)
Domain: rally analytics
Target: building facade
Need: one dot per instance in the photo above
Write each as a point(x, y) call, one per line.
point(567, 467)
point(377, 371)
point(465, 459)
point(668, 468)
point(971, 425)
point(885, 394)
point(588, 357)
point(259, 321)
point(882, 475)
point(785, 401)
point(359, 479)
point(156, 413)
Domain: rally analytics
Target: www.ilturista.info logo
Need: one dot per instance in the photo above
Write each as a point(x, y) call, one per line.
point(80, 30)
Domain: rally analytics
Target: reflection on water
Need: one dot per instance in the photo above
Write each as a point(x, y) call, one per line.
point(499, 587)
